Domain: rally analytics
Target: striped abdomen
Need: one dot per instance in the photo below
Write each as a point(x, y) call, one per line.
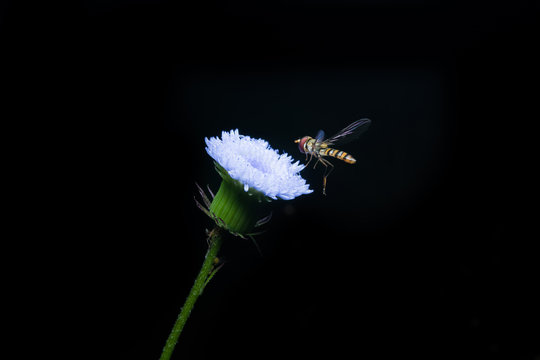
point(338, 154)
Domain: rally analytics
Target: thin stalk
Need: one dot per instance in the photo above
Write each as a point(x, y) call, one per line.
point(214, 239)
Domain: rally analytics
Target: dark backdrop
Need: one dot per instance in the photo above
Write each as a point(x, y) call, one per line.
point(420, 249)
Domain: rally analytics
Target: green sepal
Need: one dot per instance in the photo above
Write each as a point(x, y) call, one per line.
point(236, 209)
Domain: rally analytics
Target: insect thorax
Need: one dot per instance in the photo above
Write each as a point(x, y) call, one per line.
point(313, 145)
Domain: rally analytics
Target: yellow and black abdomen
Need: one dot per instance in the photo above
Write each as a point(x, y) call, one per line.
point(338, 154)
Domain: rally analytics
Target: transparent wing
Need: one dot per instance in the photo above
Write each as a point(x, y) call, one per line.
point(320, 135)
point(350, 133)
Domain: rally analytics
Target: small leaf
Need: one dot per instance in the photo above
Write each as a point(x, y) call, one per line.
point(203, 196)
point(202, 208)
point(210, 191)
point(264, 220)
point(256, 245)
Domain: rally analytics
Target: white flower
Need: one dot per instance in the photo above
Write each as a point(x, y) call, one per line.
point(256, 165)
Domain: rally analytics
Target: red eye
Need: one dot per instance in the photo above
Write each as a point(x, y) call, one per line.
point(301, 144)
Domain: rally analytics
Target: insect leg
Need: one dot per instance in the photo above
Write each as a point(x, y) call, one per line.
point(311, 157)
point(326, 172)
point(319, 158)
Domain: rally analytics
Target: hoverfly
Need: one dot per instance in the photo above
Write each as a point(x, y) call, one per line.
point(319, 148)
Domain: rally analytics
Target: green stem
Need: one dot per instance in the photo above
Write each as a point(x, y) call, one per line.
point(215, 239)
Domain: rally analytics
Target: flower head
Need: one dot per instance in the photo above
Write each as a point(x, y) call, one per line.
point(257, 166)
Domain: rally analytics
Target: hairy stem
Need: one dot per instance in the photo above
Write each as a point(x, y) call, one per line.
point(214, 239)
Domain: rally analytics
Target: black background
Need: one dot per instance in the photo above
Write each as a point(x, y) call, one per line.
point(423, 248)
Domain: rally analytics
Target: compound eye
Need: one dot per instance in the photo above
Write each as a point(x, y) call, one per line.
point(301, 145)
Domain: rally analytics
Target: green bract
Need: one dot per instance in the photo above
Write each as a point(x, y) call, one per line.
point(237, 210)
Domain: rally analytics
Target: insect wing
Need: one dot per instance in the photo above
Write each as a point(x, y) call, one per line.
point(320, 136)
point(350, 133)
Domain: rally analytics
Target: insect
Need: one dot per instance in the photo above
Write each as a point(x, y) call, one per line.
point(319, 147)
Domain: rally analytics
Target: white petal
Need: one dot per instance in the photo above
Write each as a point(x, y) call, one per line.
point(256, 165)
